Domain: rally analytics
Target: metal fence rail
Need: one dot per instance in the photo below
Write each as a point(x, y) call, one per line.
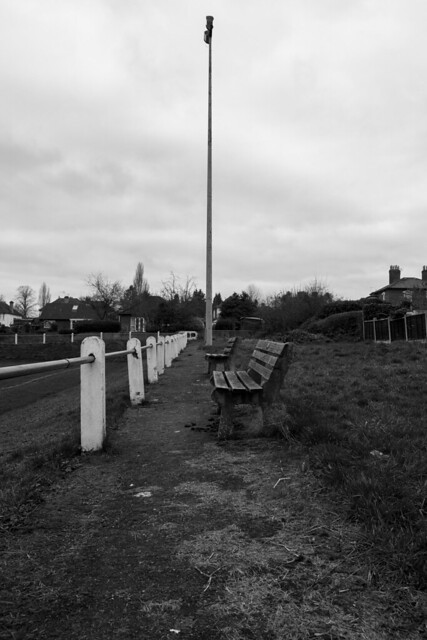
point(39, 367)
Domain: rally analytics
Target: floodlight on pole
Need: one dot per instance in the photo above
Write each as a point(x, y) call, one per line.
point(208, 319)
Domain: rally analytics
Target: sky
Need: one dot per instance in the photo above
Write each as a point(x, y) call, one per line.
point(319, 143)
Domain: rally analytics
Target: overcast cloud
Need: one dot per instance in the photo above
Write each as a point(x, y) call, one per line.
point(319, 142)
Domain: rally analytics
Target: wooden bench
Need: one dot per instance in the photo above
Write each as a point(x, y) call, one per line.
point(259, 386)
point(224, 360)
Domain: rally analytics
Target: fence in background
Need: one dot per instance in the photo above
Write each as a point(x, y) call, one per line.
point(409, 327)
point(160, 352)
point(62, 338)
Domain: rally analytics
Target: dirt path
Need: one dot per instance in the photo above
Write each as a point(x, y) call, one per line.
point(170, 535)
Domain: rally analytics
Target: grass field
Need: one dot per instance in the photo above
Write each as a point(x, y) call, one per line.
point(360, 410)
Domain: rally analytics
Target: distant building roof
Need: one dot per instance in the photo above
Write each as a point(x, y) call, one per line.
point(7, 309)
point(68, 308)
point(402, 284)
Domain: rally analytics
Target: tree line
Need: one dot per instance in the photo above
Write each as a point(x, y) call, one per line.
point(181, 304)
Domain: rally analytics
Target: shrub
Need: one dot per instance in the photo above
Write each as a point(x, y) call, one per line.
point(340, 325)
point(373, 310)
point(341, 306)
point(224, 324)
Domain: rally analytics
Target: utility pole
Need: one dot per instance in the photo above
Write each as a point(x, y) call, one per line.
point(208, 320)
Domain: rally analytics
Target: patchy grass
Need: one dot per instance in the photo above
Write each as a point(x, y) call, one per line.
point(281, 562)
point(359, 409)
point(40, 449)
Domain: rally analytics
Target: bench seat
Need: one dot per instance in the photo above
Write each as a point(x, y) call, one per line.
point(224, 360)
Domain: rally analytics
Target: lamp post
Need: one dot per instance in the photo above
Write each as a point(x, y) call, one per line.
point(208, 320)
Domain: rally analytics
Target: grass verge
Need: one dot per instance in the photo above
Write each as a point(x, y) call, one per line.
point(359, 410)
point(40, 457)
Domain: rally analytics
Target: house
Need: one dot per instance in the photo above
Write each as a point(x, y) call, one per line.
point(7, 314)
point(136, 316)
point(64, 312)
point(399, 290)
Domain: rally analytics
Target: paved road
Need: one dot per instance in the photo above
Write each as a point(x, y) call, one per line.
point(20, 392)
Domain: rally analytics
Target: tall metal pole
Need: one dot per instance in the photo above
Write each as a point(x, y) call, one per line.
point(208, 320)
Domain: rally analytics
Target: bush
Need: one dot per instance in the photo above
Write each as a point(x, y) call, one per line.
point(96, 326)
point(373, 310)
point(340, 325)
point(341, 306)
point(225, 324)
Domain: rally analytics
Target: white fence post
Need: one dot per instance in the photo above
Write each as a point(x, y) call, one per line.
point(160, 355)
point(151, 360)
point(44, 338)
point(174, 349)
point(92, 395)
point(16, 338)
point(168, 351)
point(72, 337)
point(135, 372)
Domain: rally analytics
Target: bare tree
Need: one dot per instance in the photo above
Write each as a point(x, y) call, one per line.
point(140, 284)
point(25, 300)
point(172, 289)
point(44, 295)
point(254, 293)
point(106, 296)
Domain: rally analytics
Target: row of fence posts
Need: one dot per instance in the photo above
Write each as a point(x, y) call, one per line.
point(160, 352)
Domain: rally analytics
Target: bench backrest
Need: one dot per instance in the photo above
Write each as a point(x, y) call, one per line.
point(231, 343)
point(268, 366)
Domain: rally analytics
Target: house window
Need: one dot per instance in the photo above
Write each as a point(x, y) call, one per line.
point(407, 295)
point(75, 307)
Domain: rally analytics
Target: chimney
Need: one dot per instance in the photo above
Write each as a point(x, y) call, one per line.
point(424, 274)
point(394, 274)
point(66, 299)
point(11, 306)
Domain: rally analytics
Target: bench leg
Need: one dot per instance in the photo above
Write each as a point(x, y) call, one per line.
point(225, 427)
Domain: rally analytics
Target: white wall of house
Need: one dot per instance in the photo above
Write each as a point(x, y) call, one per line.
point(7, 319)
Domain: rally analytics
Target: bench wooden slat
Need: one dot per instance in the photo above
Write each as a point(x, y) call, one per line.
point(219, 381)
point(246, 379)
point(233, 381)
point(265, 358)
point(270, 346)
point(264, 372)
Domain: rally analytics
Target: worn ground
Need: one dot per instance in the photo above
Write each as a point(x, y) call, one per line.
point(169, 534)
